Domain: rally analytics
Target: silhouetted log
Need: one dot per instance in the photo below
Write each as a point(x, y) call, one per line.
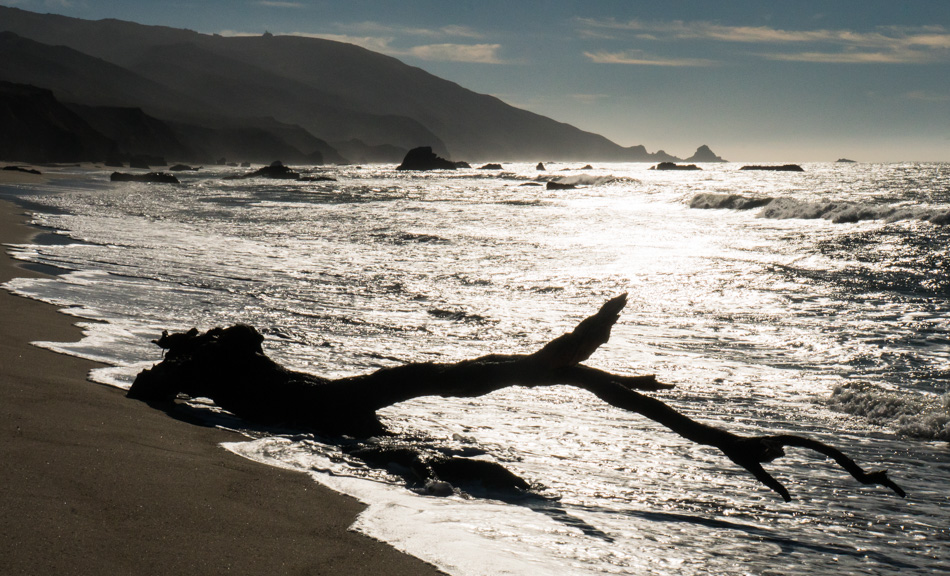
point(229, 366)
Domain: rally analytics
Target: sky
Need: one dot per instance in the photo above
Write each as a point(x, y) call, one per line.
point(768, 80)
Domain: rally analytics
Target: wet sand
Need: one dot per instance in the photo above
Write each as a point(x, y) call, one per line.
point(94, 483)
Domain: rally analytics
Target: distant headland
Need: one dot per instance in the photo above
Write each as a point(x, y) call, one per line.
point(81, 90)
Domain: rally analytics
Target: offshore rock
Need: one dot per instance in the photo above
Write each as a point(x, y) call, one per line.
point(151, 177)
point(674, 166)
point(782, 168)
point(491, 167)
point(21, 169)
point(423, 158)
point(560, 186)
point(276, 171)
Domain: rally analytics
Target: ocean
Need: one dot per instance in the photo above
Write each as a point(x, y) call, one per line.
point(813, 303)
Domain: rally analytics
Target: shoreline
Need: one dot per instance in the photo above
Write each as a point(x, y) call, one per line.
point(96, 483)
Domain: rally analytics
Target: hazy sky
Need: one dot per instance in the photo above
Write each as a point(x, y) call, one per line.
point(753, 79)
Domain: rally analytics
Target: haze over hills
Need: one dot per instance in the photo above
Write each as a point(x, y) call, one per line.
point(201, 97)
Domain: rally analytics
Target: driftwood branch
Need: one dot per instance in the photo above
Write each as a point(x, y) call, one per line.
point(229, 366)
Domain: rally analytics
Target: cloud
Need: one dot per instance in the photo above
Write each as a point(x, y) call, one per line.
point(377, 28)
point(278, 4)
point(398, 41)
point(476, 53)
point(883, 45)
point(854, 57)
point(638, 58)
point(471, 53)
point(374, 43)
point(926, 96)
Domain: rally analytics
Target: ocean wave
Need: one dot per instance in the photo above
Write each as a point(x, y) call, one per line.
point(710, 201)
point(837, 212)
point(907, 413)
point(849, 212)
point(585, 180)
point(457, 315)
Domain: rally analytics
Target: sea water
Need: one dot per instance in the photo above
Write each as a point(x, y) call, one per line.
point(813, 303)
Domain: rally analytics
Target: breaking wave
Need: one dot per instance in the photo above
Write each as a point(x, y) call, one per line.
point(837, 212)
point(910, 414)
point(712, 201)
point(585, 180)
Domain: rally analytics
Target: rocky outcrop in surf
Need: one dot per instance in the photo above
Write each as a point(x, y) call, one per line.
point(674, 166)
point(423, 159)
point(151, 177)
point(771, 168)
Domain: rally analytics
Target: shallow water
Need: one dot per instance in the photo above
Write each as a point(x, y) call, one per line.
point(814, 303)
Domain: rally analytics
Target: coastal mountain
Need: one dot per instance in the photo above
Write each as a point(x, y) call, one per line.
point(312, 96)
point(704, 154)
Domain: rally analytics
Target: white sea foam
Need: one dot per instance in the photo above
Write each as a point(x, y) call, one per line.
point(909, 413)
point(838, 212)
point(464, 537)
point(585, 180)
point(712, 200)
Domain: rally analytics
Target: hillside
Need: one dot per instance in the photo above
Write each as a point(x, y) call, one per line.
point(367, 103)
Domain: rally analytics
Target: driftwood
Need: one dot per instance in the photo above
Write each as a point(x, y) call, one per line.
point(229, 366)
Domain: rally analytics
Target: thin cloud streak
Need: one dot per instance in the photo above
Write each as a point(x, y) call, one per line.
point(897, 57)
point(637, 58)
point(377, 29)
point(465, 53)
point(473, 53)
point(278, 4)
point(886, 45)
point(924, 96)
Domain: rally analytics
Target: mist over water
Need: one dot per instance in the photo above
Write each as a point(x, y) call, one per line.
point(812, 303)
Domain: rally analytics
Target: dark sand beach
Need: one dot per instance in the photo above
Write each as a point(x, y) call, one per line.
point(94, 483)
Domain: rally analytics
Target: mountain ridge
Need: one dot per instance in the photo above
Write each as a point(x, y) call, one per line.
point(371, 104)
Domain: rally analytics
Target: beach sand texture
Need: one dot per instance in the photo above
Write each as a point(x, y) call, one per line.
point(94, 483)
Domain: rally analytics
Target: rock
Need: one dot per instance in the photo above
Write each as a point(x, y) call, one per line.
point(704, 154)
point(491, 167)
point(139, 163)
point(423, 158)
point(674, 166)
point(151, 177)
point(588, 167)
point(846, 161)
point(540, 166)
point(183, 168)
point(438, 488)
point(20, 169)
point(559, 186)
point(245, 164)
point(782, 168)
point(276, 171)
